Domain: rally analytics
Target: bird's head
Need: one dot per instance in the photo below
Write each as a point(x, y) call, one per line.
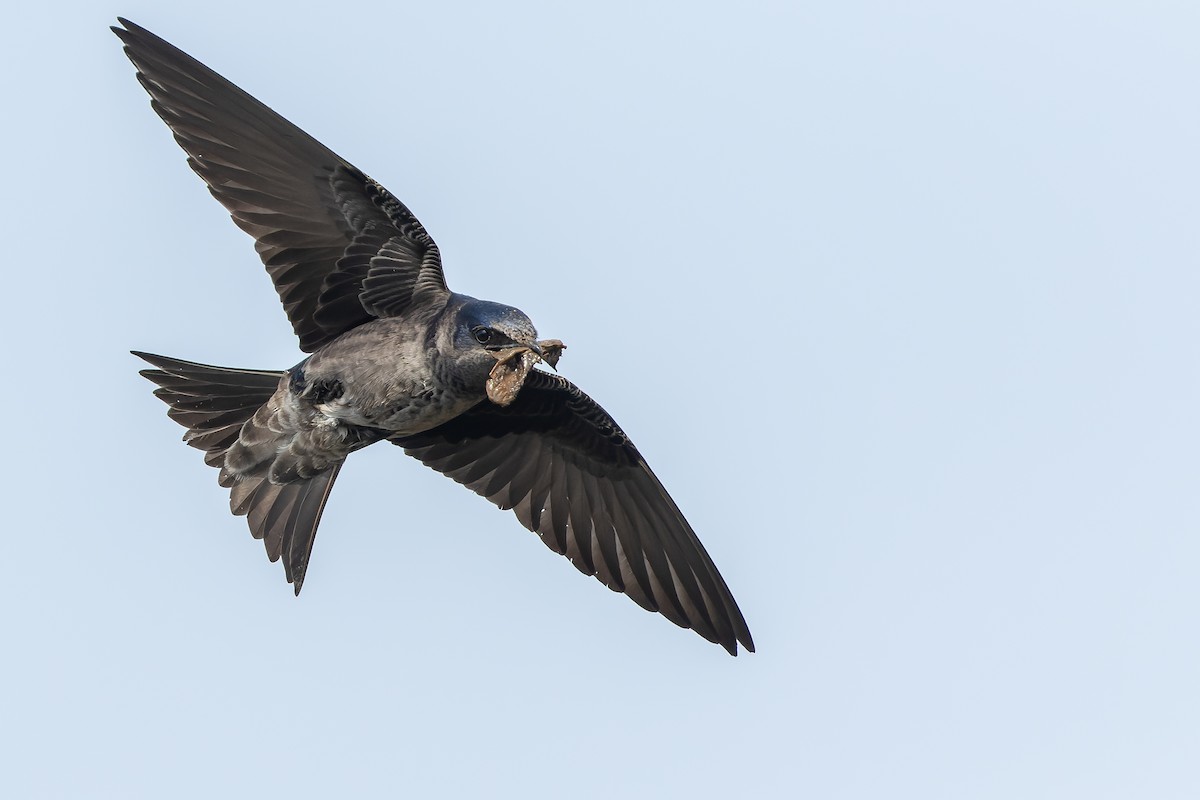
point(483, 327)
point(496, 345)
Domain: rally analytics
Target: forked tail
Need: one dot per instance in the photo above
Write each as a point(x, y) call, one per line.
point(213, 403)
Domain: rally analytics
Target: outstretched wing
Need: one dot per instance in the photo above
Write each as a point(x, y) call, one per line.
point(572, 476)
point(322, 227)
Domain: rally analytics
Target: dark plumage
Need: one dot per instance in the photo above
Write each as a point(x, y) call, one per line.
point(396, 356)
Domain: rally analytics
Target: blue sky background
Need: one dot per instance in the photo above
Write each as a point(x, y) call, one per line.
point(899, 300)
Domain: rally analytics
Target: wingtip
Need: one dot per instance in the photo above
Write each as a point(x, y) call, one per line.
point(731, 645)
point(296, 576)
point(159, 362)
point(126, 27)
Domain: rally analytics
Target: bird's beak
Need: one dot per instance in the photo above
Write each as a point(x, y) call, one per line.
point(548, 351)
point(536, 349)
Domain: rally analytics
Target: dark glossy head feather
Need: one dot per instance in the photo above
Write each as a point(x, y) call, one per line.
point(502, 325)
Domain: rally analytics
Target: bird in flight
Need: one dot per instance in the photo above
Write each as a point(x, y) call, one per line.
point(395, 356)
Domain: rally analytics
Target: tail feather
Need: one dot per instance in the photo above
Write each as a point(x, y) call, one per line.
point(286, 517)
point(187, 387)
point(213, 403)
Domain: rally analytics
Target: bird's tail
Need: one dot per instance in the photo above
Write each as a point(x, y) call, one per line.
point(213, 403)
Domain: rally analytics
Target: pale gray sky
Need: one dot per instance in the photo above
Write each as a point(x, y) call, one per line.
point(942, 257)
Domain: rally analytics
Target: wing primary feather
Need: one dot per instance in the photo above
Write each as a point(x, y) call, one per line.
point(680, 554)
point(657, 570)
point(604, 554)
point(579, 543)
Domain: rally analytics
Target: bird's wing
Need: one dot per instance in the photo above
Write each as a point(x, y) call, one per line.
point(572, 476)
point(326, 232)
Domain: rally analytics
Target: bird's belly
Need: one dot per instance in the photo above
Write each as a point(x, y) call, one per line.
point(404, 416)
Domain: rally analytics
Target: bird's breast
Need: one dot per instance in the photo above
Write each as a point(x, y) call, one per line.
point(388, 379)
point(403, 410)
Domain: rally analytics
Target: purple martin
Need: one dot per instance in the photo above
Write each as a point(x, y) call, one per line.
point(395, 356)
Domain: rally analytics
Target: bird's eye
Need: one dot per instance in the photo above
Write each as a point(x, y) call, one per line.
point(482, 335)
